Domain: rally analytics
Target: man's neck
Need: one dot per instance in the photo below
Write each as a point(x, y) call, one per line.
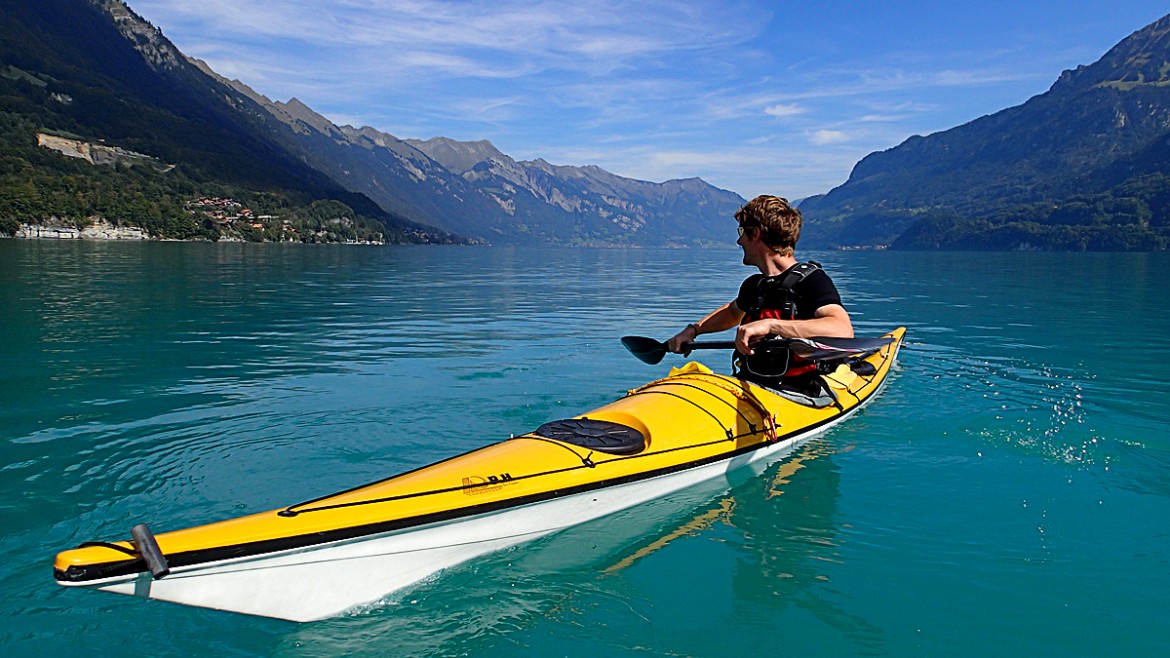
point(775, 264)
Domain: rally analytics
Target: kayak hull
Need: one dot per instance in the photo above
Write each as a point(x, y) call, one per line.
point(318, 578)
point(325, 581)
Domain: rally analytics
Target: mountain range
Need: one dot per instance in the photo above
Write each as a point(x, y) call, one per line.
point(473, 189)
point(1081, 166)
point(94, 70)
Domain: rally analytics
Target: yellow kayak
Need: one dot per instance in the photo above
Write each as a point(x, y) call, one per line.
point(318, 558)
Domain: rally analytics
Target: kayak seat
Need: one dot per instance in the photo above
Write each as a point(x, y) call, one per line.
point(599, 435)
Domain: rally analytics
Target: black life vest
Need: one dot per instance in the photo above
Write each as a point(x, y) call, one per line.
point(775, 299)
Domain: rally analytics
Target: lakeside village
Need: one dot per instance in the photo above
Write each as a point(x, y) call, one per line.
point(231, 219)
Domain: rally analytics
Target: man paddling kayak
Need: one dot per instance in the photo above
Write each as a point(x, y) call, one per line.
point(787, 298)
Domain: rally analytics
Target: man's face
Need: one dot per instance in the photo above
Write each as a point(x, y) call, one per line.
point(749, 241)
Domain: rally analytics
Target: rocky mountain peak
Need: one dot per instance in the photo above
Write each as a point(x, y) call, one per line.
point(159, 53)
point(298, 111)
point(370, 135)
point(459, 157)
point(236, 84)
point(1138, 60)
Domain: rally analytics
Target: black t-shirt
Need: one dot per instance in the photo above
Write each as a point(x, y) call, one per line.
point(809, 294)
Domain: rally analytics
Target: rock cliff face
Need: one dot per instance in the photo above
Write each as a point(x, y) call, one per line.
point(95, 154)
point(99, 230)
point(158, 52)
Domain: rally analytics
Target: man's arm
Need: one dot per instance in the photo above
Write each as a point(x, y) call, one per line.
point(722, 318)
point(830, 320)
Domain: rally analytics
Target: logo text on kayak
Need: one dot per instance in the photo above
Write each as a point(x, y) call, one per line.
point(475, 485)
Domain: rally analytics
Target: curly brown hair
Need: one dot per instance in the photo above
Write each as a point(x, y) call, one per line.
point(778, 222)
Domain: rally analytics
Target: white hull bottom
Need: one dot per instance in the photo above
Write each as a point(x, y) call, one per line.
point(328, 579)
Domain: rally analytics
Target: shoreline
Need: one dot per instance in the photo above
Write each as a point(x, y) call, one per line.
point(104, 231)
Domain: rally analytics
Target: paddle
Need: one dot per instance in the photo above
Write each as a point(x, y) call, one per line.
point(651, 351)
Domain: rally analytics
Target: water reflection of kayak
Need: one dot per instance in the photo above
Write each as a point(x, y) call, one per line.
point(318, 558)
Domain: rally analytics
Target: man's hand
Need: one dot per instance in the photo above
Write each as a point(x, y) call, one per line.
point(675, 344)
point(752, 332)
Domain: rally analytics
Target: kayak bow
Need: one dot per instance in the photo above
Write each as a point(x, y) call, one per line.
point(319, 558)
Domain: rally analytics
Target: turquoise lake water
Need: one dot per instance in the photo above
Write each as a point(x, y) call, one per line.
point(1008, 495)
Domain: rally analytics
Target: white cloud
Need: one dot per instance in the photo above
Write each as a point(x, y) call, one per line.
point(782, 111)
point(975, 78)
point(443, 36)
point(882, 118)
point(822, 137)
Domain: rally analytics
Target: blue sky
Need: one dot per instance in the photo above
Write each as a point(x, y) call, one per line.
point(755, 97)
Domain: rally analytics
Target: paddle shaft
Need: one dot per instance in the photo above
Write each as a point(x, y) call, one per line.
point(710, 345)
point(651, 351)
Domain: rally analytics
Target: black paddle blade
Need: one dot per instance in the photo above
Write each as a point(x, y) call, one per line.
point(647, 350)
